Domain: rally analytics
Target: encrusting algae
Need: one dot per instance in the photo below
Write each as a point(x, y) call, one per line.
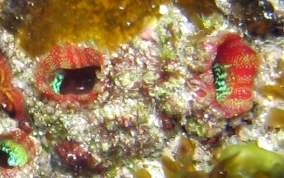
point(39, 25)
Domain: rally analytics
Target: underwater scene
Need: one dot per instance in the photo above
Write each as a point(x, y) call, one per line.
point(141, 89)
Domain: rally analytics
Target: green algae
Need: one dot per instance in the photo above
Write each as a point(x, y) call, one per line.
point(194, 127)
point(39, 24)
point(173, 169)
point(246, 161)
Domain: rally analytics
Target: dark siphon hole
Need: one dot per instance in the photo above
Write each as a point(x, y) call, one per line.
point(75, 81)
point(4, 160)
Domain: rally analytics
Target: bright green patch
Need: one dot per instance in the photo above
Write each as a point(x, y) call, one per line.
point(17, 155)
point(220, 73)
point(57, 82)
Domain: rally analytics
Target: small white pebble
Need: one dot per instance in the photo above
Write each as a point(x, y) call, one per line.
point(163, 9)
point(50, 109)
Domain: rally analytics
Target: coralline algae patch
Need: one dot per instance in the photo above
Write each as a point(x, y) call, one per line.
point(39, 25)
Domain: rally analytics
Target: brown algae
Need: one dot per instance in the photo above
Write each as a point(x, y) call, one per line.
point(39, 25)
point(183, 166)
point(275, 118)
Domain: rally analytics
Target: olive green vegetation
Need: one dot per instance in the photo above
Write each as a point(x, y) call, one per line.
point(275, 118)
point(39, 24)
point(248, 161)
point(272, 91)
point(183, 166)
point(195, 127)
point(174, 169)
point(54, 130)
point(142, 173)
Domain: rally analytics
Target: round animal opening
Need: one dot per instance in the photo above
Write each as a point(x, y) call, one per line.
point(68, 74)
point(4, 159)
point(74, 81)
